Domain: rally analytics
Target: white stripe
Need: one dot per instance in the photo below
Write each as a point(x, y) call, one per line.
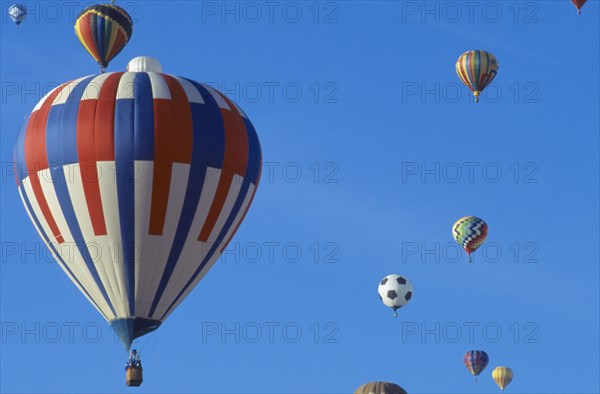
point(217, 254)
point(98, 247)
point(217, 96)
point(64, 94)
point(191, 92)
point(69, 249)
point(146, 246)
point(232, 195)
point(41, 102)
point(92, 91)
point(193, 250)
point(160, 89)
point(126, 86)
point(110, 207)
point(150, 280)
point(71, 277)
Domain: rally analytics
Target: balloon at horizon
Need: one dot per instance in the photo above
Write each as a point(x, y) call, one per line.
point(148, 176)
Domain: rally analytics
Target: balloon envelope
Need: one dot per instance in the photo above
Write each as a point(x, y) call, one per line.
point(578, 4)
point(395, 291)
point(470, 232)
point(136, 182)
point(17, 13)
point(476, 361)
point(103, 30)
point(380, 388)
point(502, 376)
point(476, 69)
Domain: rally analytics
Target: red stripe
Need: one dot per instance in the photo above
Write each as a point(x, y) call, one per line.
point(36, 158)
point(95, 142)
point(86, 33)
point(465, 73)
point(105, 109)
point(117, 45)
point(236, 161)
point(173, 140)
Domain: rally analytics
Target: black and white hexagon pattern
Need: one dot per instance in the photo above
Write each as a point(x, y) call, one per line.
point(395, 291)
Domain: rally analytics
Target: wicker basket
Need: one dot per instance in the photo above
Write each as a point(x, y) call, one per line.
point(133, 376)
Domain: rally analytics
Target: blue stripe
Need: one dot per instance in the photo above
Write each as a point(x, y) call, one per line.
point(61, 125)
point(51, 247)
point(213, 150)
point(19, 153)
point(217, 244)
point(68, 132)
point(143, 118)
point(208, 150)
point(124, 150)
point(254, 154)
point(101, 38)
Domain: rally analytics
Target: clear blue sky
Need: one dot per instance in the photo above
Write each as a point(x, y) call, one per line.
point(352, 104)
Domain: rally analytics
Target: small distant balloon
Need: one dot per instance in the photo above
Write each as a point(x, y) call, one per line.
point(578, 4)
point(18, 13)
point(476, 361)
point(395, 291)
point(476, 69)
point(470, 232)
point(503, 376)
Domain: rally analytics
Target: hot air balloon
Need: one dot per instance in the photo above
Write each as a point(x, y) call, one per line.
point(380, 388)
point(136, 182)
point(578, 4)
point(18, 13)
point(476, 69)
point(470, 232)
point(395, 291)
point(103, 30)
point(476, 361)
point(503, 376)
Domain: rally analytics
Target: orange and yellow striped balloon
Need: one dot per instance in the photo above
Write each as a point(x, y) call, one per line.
point(476, 69)
point(503, 376)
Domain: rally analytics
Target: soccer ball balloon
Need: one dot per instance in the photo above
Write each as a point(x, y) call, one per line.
point(395, 291)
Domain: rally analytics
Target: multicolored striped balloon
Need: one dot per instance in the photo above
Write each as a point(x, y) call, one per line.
point(104, 30)
point(503, 376)
point(476, 361)
point(476, 69)
point(470, 232)
point(136, 182)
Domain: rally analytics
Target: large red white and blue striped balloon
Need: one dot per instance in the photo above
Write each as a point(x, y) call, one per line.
point(136, 182)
